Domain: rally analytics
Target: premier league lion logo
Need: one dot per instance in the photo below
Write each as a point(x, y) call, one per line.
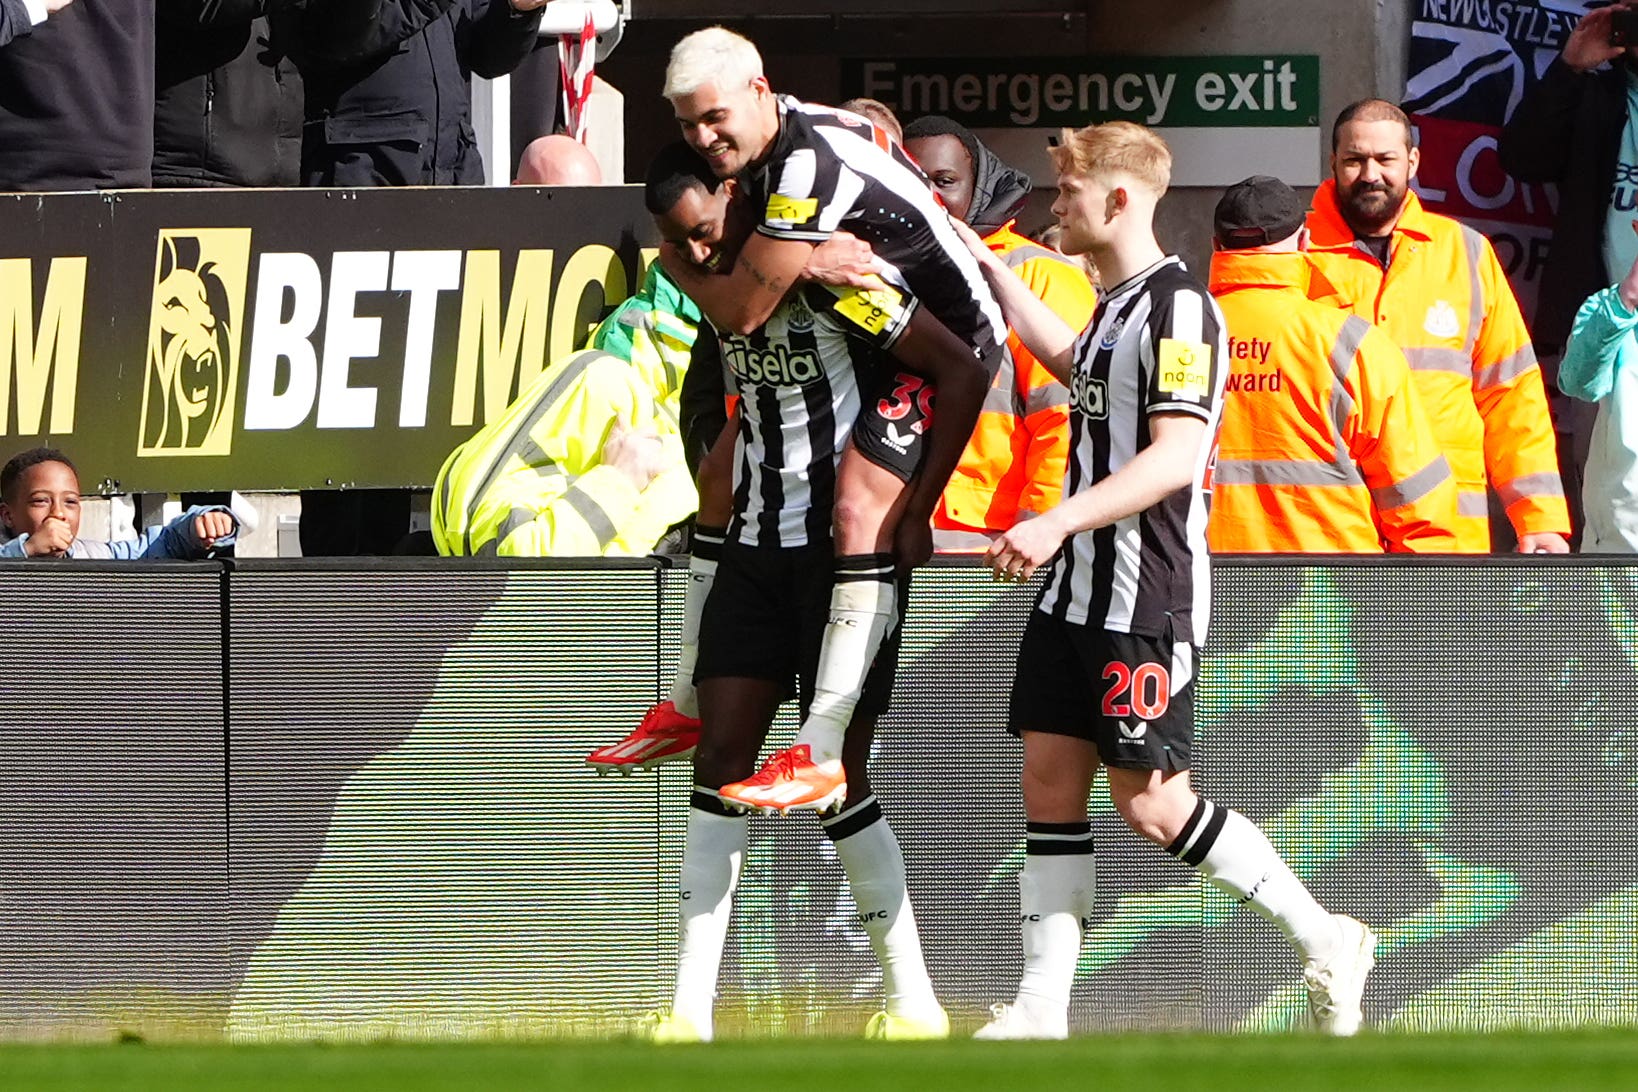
point(193, 342)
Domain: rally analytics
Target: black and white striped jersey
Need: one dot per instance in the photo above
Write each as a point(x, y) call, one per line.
point(802, 379)
point(1155, 345)
point(830, 171)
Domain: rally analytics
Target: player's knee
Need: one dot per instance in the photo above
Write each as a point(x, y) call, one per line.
point(1149, 813)
point(719, 763)
point(1050, 797)
point(857, 517)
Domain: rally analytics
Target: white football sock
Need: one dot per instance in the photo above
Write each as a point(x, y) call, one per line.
point(1237, 858)
point(1055, 892)
point(712, 854)
point(875, 874)
point(702, 572)
point(862, 613)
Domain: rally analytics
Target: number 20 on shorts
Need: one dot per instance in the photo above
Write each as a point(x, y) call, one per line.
point(1146, 691)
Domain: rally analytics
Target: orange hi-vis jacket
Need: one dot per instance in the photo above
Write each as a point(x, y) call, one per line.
point(1323, 446)
point(1445, 300)
point(1015, 460)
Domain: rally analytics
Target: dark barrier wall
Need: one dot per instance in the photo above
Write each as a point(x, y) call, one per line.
point(348, 801)
point(293, 339)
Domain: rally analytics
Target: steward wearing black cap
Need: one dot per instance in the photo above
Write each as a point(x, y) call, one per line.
point(1324, 445)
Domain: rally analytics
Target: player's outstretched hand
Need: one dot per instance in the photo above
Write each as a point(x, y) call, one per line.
point(844, 260)
point(1030, 544)
point(979, 248)
point(210, 526)
point(51, 538)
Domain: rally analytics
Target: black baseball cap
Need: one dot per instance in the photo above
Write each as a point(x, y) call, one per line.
point(1257, 211)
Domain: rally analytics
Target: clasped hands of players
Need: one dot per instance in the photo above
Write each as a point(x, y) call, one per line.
point(53, 537)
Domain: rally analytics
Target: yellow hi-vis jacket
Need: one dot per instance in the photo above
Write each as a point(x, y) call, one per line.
point(533, 483)
point(1323, 447)
point(1444, 299)
point(1015, 460)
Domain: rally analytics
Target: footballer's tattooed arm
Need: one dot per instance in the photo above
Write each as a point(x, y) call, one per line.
point(739, 302)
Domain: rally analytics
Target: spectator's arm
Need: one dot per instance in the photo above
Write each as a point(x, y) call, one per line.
point(176, 541)
point(1603, 327)
point(18, 18)
point(1520, 450)
point(496, 37)
point(1535, 143)
point(347, 32)
point(580, 522)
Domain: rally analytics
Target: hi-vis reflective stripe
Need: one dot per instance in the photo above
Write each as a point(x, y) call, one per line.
point(1415, 487)
point(1472, 505)
point(1505, 370)
point(1530, 485)
point(1427, 359)
point(1474, 243)
point(1349, 338)
point(1284, 472)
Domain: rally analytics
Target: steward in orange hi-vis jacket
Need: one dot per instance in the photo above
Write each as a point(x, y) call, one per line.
point(1324, 447)
point(1014, 463)
point(1444, 299)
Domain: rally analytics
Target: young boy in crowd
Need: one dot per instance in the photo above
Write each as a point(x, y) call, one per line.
point(40, 505)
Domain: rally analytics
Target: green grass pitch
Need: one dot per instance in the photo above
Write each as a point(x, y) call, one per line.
point(1133, 1063)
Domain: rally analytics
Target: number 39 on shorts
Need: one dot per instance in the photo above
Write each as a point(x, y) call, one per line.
point(1145, 691)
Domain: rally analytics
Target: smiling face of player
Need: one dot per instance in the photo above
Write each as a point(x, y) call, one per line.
point(733, 127)
point(708, 228)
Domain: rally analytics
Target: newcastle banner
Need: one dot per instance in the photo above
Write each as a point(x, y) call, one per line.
point(1470, 64)
point(290, 339)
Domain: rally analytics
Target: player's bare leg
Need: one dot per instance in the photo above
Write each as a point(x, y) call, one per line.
point(670, 730)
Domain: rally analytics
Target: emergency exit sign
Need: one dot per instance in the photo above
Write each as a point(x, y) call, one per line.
point(1224, 117)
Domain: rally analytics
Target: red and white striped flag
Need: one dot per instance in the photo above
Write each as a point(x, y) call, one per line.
point(577, 60)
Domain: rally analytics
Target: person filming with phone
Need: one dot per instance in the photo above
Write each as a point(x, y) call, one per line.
point(1578, 127)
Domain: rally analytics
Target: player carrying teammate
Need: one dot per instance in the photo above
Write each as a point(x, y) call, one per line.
point(803, 378)
point(809, 172)
point(1107, 664)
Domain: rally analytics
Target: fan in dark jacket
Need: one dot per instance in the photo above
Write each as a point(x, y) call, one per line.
point(20, 17)
point(77, 96)
point(387, 83)
point(227, 109)
point(1567, 129)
